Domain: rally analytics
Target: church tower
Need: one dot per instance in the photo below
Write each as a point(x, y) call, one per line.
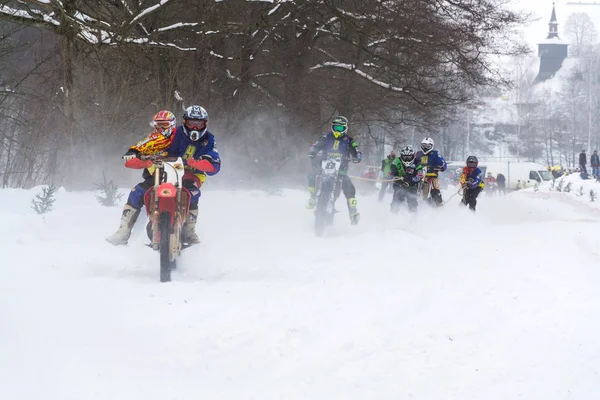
point(552, 51)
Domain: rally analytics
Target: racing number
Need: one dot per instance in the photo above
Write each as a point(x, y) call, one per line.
point(189, 152)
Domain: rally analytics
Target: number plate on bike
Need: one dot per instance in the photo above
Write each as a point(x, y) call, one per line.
point(330, 166)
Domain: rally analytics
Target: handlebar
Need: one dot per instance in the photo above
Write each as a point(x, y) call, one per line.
point(157, 158)
point(161, 158)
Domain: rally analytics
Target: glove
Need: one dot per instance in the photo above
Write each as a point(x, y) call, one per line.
point(136, 163)
point(130, 155)
point(201, 165)
point(358, 157)
point(401, 180)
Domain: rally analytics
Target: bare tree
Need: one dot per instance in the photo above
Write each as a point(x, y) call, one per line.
point(582, 32)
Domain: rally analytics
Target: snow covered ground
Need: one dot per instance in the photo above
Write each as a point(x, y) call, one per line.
point(499, 305)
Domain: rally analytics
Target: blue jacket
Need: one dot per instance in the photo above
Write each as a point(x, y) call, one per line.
point(183, 146)
point(432, 162)
point(473, 178)
point(344, 147)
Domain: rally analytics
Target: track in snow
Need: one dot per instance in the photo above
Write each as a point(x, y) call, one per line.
point(447, 305)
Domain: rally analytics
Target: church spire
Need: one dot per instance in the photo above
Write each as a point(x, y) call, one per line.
point(553, 32)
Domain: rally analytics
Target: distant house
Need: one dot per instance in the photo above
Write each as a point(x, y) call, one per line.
point(552, 51)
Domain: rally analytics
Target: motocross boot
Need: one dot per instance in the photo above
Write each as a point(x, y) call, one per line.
point(311, 201)
point(128, 219)
point(436, 197)
point(189, 229)
point(354, 215)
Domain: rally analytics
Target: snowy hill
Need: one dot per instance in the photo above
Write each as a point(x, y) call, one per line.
point(500, 305)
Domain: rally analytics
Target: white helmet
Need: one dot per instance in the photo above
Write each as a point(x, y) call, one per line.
point(407, 155)
point(427, 145)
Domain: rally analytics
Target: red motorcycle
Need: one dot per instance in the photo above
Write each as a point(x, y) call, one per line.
point(167, 204)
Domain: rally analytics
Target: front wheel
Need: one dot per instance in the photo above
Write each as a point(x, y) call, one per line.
point(165, 250)
point(323, 215)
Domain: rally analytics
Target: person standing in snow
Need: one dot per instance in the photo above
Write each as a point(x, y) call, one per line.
point(194, 143)
point(471, 182)
point(491, 183)
point(501, 181)
point(595, 163)
point(432, 164)
point(583, 162)
point(386, 165)
point(338, 143)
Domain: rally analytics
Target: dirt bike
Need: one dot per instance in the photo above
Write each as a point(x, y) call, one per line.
point(328, 187)
point(167, 204)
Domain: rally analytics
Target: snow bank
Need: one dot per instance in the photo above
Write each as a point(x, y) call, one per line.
point(571, 189)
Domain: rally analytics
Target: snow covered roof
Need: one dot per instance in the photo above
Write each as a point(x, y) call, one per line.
point(557, 82)
point(554, 40)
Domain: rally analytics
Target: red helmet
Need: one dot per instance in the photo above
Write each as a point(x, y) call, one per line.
point(164, 122)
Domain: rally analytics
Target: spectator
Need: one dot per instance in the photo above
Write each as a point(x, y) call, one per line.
point(501, 181)
point(595, 163)
point(583, 162)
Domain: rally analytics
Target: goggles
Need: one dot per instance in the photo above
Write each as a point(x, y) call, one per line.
point(195, 124)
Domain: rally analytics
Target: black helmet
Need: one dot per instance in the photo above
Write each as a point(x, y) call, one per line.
point(472, 162)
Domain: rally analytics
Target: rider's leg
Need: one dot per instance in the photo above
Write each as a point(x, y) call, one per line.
point(436, 194)
point(131, 211)
point(411, 199)
point(189, 228)
point(397, 198)
point(350, 194)
point(312, 177)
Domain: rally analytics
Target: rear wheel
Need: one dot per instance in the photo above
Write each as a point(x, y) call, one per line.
point(165, 251)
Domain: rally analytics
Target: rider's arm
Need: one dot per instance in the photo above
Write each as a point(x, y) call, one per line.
point(475, 179)
point(209, 162)
point(353, 150)
point(316, 147)
point(394, 169)
point(444, 164)
point(152, 144)
point(441, 163)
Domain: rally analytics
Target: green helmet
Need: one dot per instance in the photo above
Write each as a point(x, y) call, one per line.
point(339, 126)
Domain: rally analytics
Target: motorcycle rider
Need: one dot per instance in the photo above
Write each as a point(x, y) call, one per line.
point(407, 173)
point(194, 143)
point(336, 143)
point(472, 183)
point(432, 164)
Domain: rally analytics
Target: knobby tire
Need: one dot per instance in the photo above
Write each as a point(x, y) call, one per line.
point(165, 235)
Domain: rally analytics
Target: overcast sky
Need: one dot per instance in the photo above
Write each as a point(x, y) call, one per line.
point(537, 30)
